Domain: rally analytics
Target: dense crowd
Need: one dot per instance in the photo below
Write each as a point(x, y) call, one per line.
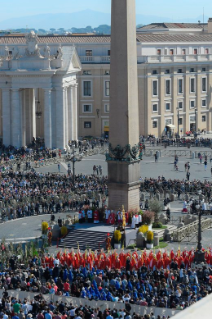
point(180, 187)
point(28, 193)
point(39, 308)
point(162, 280)
point(179, 142)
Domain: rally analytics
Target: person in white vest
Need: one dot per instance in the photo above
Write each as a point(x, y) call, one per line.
point(107, 214)
point(139, 220)
point(90, 215)
point(133, 222)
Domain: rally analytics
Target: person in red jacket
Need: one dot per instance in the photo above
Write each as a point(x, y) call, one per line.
point(108, 262)
point(117, 263)
point(66, 286)
point(96, 217)
point(122, 258)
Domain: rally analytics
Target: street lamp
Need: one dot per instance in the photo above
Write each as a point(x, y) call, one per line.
point(195, 119)
point(199, 254)
point(74, 160)
point(178, 121)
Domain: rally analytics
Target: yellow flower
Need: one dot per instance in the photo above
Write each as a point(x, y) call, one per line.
point(44, 227)
point(143, 229)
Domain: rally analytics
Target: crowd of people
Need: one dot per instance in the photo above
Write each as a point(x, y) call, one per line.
point(28, 193)
point(162, 279)
point(180, 187)
point(38, 307)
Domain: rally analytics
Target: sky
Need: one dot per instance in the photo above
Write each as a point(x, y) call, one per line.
point(177, 9)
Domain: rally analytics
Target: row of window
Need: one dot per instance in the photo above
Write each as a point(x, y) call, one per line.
point(183, 51)
point(87, 88)
point(180, 86)
point(167, 71)
point(89, 72)
point(169, 121)
point(88, 108)
point(180, 105)
point(90, 52)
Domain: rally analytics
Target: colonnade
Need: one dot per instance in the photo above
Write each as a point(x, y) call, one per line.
point(58, 115)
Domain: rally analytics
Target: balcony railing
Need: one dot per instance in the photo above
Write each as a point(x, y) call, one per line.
point(174, 58)
point(153, 58)
point(95, 59)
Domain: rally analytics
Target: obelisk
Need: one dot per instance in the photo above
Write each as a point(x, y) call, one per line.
point(123, 157)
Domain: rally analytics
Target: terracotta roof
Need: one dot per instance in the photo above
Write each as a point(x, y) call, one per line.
point(175, 25)
point(197, 37)
point(185, 25)
point(57, 39)
point(203, 37)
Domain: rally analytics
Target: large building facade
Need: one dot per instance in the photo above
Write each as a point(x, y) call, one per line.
point(38, 88)
point(174, 83)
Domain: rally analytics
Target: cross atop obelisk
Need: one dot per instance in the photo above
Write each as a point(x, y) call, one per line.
point(123, 157)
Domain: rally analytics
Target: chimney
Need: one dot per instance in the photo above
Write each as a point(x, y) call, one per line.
point(210, 25)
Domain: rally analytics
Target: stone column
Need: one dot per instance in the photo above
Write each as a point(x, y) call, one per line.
point(123, 164)
point(47, 118)
point(70, 112)
point(6, 117)
point(60, 118)
point(16, 118)
point(33, 114)
point(23, 99)
point(75, 112)
point(66, 117)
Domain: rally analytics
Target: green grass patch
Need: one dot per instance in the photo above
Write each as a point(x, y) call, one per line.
point(163, 227)
point(131, 246)
point(162, 244)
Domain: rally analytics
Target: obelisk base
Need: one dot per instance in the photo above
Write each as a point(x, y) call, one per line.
point(123, 185)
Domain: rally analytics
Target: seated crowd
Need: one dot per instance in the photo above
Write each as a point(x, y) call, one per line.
point(144, 283)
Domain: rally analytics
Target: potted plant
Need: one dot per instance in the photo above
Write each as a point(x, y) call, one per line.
point(148, 218)
point(156, 207)
point(117, 239)
point(150, 237)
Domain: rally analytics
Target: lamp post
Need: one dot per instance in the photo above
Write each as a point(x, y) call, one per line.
point(74, 160)
point(178, 122)
point(199, 254)
point(195, 119)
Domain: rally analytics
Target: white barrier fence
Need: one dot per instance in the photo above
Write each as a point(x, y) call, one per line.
point(102, 305)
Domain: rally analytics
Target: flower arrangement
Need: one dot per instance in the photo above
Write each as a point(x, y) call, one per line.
point(143, 229)
point(64, 230)
point(117, 236)
point(148, 217)
point(44, 227)
point(150, 237)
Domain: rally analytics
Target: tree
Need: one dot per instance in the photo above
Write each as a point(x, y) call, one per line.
point(52, 30)
point(156, 207)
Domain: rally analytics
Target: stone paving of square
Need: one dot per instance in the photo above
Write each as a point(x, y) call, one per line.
point(30, 226)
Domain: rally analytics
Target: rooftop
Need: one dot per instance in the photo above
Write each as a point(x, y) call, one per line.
point(105, 39)
point(72, 39)
point(175, 25)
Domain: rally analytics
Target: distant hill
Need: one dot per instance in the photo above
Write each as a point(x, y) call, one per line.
point(79, 19)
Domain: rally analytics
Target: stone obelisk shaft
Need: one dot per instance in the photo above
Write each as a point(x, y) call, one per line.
point(123, 166)
point(124, 118)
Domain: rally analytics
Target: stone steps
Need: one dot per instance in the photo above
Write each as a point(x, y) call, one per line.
point(84, 239)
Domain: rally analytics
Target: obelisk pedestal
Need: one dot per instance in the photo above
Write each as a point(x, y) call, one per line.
point(123, 157)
